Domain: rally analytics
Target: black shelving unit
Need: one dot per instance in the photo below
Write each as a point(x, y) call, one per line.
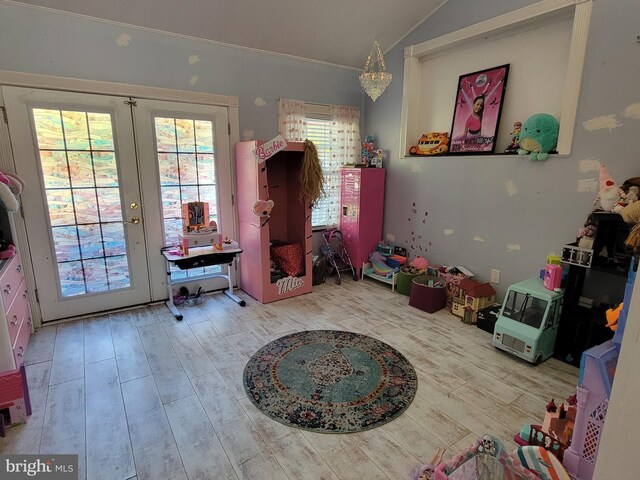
point(583, 327)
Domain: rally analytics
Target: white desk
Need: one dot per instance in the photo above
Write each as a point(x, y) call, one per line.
point(203, 257)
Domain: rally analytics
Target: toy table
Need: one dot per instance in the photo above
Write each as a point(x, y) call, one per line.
point(203, 257)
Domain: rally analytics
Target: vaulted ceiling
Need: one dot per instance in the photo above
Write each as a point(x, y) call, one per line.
point(339, 32)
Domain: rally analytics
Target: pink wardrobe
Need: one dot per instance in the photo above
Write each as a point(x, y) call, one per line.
point(285, 233)
point(362, 207)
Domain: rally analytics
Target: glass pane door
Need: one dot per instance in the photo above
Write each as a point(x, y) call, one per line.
point(77, 159)
point(76, 153)
point(185, 152)
point(189, 145)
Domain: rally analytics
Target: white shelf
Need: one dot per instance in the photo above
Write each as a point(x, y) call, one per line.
point(388, 280)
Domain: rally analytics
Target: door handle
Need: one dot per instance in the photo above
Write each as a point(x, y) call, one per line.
point(134, 220)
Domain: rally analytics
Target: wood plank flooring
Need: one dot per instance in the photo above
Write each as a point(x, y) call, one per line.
point(139, 395)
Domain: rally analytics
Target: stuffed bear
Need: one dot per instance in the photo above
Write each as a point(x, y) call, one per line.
point(262, 208)
point(539, 135)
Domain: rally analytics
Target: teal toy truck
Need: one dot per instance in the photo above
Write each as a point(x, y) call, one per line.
point(528, 322)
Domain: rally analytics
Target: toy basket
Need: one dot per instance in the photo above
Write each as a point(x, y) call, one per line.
point(428, 293)
point(403, 282)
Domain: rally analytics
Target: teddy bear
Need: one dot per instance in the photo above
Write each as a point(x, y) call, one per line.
point(539, 135)
point(262, 208)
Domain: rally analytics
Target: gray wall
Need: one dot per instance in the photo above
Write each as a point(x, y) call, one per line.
point(35, 40)
point(468, 194)
point(465, 194)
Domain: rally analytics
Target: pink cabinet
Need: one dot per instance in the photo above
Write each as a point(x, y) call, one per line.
point(284, 236)
point(362, 207)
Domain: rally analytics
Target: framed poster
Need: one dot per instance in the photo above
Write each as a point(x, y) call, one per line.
point(477, 111)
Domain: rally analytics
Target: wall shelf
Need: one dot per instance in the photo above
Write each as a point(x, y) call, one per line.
point(461, 42)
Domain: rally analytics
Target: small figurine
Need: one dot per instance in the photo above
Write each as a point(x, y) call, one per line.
point(514, 146)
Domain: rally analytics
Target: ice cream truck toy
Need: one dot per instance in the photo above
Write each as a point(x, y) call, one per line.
point(527, 325)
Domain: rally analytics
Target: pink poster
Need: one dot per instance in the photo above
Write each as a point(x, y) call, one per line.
point(477, 111)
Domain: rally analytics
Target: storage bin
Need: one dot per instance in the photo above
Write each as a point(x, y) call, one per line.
point(403, 282)
point(428, 293)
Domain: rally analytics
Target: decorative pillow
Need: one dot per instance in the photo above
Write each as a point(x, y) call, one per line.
point(289, 258)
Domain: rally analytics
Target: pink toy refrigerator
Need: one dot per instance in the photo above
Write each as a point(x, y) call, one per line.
point(285, 233)
point(361, 211)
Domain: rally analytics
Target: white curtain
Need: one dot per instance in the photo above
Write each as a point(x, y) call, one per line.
point(338, 142)
point(345, 148)
point(293, 125)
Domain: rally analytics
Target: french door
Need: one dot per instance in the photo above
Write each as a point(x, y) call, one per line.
point(105, 178)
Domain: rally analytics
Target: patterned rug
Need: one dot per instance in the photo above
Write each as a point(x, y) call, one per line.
point(330, 381)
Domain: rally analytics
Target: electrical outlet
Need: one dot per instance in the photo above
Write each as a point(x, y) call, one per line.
point(495, 276)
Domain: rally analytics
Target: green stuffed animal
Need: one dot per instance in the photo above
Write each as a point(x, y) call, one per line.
point(539, 136)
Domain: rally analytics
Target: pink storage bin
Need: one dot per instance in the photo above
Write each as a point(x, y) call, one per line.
point(552, 276)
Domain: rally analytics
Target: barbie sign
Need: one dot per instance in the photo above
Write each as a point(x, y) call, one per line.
point(269, 149)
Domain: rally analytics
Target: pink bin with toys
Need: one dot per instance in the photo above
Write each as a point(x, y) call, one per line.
point(428, 293)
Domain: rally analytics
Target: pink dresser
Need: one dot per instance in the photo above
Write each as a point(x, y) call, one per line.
point(15, 328)
point(362, 207)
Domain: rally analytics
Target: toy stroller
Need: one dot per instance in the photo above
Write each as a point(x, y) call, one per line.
point(338, 259)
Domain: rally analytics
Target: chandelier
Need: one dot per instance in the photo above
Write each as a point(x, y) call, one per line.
point(375, 78)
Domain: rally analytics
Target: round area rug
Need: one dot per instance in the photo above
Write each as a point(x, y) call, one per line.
point(330, 381)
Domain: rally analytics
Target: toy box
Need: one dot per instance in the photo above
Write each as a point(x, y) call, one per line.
point(428, 293)
point(487, 317)
point(404, 281)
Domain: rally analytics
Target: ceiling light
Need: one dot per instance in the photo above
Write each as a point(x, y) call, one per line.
point(375, 78)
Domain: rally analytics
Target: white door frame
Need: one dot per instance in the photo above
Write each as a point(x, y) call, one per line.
point(48, 82)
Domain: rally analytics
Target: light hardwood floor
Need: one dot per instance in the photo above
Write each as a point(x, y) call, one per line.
point(140, 395)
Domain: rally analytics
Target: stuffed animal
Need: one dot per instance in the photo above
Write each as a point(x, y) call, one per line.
point(420, 263)
point(633, 194)
point(7, 250)
point(539, 135)
point(610, 194)
point(631, 215)
point(7, 198)
point(262, 208)
point(432, 143)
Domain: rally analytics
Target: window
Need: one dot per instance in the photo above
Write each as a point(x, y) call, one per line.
point(319, 132)
point(525, 308)
point(335, 131)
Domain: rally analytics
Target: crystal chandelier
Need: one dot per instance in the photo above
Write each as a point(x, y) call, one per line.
point(375, 78)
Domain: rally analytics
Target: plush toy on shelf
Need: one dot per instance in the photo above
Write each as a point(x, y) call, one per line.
point(539, 136)
point(262, 208)
point(609, 193)
point(432, 143)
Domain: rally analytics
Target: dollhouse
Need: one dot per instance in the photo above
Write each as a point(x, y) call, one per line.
point(471, 297)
